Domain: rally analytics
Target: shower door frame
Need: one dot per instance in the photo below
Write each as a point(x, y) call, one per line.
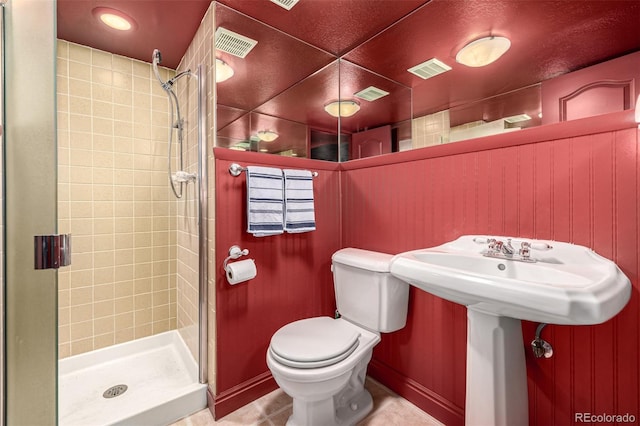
point(203, 228)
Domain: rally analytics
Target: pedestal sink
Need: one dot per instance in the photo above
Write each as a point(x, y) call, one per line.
point(502, 280)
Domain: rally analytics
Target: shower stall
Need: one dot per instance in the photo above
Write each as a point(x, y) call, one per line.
point(120, 335)
point(132, 306)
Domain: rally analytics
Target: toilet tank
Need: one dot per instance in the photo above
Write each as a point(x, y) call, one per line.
point(366, 293)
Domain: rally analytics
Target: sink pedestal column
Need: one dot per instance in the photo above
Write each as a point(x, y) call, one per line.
point(496, 391)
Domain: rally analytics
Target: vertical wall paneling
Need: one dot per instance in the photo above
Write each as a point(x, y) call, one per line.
point(579, 167)
point(626, 237)
point(580, 189)
point(294, 278)
point(604, 336)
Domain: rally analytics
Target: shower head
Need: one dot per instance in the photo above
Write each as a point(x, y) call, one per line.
point(157, 57)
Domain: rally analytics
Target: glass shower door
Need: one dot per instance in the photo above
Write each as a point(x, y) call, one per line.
point(29, 173)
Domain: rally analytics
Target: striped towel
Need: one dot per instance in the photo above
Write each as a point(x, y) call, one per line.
point(299, 214)
point(265, 201)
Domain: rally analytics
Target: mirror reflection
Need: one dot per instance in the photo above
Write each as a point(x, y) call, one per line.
point(407, 84)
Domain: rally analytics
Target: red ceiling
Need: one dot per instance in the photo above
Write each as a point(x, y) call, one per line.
point(378, 41)
point(168, 25)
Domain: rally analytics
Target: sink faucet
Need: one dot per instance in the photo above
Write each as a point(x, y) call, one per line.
point(508, 248)
point(497, 246)
point(504, 250)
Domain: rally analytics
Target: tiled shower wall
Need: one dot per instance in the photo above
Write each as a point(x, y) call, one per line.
point(114, 199)
point(200, 52)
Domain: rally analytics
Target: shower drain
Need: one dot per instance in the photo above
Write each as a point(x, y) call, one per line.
point(114, 391)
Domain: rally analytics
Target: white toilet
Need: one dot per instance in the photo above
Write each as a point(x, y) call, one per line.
point(322, 362)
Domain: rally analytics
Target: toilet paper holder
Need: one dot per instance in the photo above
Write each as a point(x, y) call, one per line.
point(235, 252)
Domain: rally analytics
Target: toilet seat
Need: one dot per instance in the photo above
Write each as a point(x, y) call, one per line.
point(314, 343)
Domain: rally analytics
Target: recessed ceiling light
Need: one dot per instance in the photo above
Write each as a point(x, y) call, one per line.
point(344, 108)
point(483, 51)
point(114, 18)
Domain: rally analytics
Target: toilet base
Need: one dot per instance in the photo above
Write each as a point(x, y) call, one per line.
point(348, 407)
point(357, 410)
point(314, 413)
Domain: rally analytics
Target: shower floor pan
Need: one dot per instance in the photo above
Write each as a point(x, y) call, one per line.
point(160, 378)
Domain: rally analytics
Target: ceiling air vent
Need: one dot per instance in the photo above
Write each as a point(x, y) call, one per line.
point(233, 43)
point(429, 69)
point(287, 4)
point(371, 93)
point(517, 118)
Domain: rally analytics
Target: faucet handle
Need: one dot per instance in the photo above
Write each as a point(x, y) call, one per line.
point(541, 246)
point(491, 242)
point(483, 240)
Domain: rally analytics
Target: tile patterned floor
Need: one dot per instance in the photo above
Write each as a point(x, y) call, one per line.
point(274, 409)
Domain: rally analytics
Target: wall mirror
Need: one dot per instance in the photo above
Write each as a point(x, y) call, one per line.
point(310, 56)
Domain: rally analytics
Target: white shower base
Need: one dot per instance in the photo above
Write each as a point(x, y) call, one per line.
point(162, 380)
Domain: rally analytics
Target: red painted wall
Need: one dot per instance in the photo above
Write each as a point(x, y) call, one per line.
point(294, 276)
point(575, 182)
point(580, 189)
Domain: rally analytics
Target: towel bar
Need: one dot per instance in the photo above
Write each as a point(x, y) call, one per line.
point(235, 169)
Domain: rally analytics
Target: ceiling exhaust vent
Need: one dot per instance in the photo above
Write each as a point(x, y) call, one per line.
point(371, 93)
point(233, 43)
point(429, 69)
point(517, 118)
point(287, 4)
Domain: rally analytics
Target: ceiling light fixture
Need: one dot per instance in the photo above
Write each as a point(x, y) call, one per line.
point(342, 108)
point(483, 51)
point(223, 71)
point(267, 135)
point(114, 18)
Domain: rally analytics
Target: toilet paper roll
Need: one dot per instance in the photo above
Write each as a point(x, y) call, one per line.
point(241, 271)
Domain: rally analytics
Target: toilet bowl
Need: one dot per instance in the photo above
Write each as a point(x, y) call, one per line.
point(321, 362)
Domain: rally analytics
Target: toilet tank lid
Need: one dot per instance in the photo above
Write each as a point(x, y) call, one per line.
point(363, 259)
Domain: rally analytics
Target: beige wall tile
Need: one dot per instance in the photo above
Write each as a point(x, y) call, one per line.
point(79, 71)
point(106, 141)
point(101, 59)
point(103, 340)
point(79, 53)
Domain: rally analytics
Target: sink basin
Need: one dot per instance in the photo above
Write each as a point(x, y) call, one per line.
point(560, 284)
point(501, 281)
